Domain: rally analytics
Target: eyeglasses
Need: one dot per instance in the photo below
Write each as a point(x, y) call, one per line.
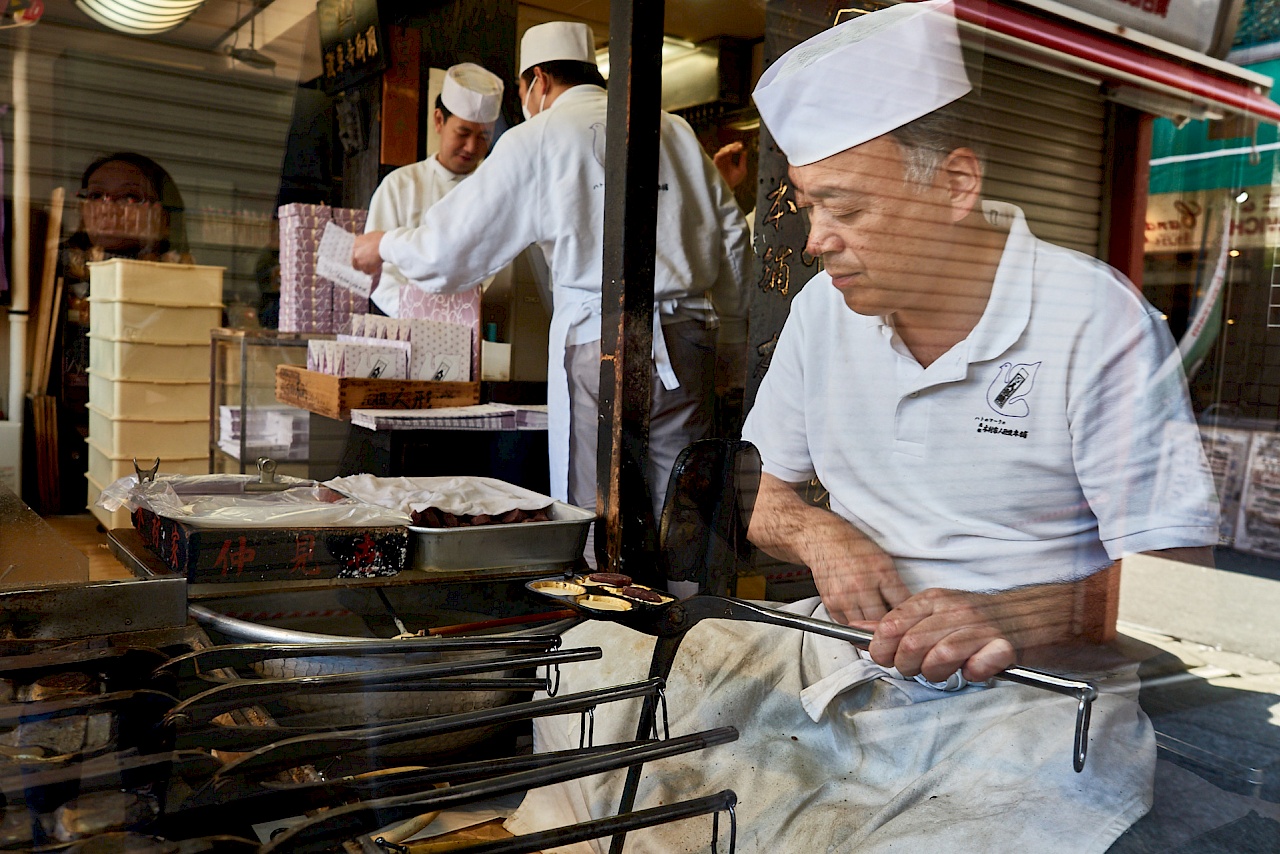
point(119, 198)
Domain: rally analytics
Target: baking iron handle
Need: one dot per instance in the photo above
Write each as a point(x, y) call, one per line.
point(207, 705)
point(530, 843)
point(242, 655)
point(341, 823)
point(700, 608)
point(252, 803)
point(302, 750)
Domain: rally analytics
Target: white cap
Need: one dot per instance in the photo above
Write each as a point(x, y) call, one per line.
point(861, 79)
point(472, 93)
point(556, 40)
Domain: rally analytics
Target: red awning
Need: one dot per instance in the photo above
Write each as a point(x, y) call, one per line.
point(1111, 58)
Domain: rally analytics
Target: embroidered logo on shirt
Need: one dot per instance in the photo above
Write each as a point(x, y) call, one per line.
point(1008, 391)
point(986, 424)
point(597, 142)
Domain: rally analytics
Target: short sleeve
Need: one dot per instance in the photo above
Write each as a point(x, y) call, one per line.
point(776, 424)
point(1137, 447)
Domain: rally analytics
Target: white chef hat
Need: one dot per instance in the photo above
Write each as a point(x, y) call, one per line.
point(472, 93)
point(863, 78)
point(556, 40)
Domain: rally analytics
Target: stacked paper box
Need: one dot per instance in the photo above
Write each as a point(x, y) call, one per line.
point(309, 302)
point(279, 432)
point(148, 385)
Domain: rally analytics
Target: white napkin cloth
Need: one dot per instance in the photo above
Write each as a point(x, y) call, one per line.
point(461, 496)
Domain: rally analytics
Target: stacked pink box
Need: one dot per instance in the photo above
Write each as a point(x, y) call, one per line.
point(308, 302)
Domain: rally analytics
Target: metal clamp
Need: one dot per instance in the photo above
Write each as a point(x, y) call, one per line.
point(146, 475)
point(733, 829)
point(587, 737)
point(554, 687)
point(267, 481)
point(661, 697)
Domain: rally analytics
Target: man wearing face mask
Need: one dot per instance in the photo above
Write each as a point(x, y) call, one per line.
point(466, 108)
point(544, 185)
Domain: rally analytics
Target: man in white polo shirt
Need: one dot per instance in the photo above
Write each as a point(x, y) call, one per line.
point(994, 417)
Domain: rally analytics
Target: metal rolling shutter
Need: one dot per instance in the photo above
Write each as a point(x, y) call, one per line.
point(221, 137)
point(1046, 147)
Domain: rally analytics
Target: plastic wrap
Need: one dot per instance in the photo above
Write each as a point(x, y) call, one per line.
point(220, 501)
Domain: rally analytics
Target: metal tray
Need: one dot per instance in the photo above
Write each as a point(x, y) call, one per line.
point(559, 541)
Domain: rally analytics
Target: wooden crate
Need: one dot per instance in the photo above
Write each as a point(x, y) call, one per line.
point(213, 555)
point(335, 397)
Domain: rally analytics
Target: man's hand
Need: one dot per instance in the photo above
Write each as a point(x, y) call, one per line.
point(856, 578)
point(937, 632)
point(365, 255)
point(731, 163)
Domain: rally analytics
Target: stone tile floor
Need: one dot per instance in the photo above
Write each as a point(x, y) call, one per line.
point(1217, 719)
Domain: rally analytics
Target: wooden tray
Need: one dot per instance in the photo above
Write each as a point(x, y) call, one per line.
point(229, 555)
point(335, 397)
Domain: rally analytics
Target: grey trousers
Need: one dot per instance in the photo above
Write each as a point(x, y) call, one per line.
point(676, 417)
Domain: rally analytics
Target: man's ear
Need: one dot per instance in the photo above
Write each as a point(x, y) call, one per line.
point(962, 172)
point(437, 118)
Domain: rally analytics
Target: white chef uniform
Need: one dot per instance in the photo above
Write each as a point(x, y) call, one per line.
point(472, 94)
point(544, 185)
point(403, 198)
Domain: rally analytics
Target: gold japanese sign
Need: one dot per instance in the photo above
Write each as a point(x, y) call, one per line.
point(351, 43)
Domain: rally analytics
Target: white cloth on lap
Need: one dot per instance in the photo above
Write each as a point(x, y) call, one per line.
point(986, 770)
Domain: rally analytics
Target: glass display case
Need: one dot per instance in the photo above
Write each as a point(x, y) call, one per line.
point(245, 419)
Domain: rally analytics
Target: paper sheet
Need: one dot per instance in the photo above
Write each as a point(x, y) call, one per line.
point(333, 261)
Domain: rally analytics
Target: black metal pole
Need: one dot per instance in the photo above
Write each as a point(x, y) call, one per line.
point(626, 326)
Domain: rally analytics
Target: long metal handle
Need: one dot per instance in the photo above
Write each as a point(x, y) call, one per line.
point(242, 655)
point(301, 750)
point(344, 822)
point(723, 607)
point(233, 695)
point(722, 801)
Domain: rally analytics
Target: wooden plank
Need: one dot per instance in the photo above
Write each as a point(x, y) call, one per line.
point(400, 97)
point(626, 326)
point(48, 273)
point(335, 397)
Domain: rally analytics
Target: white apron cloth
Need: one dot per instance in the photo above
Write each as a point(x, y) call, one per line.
point(887, 765)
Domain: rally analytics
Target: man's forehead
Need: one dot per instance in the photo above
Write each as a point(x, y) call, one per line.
point(845, 171)
point(470, 127)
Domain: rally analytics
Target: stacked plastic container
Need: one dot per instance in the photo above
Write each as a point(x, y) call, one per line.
point(148, 370)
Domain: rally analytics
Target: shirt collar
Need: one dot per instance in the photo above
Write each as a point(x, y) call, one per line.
point(444, 172)
point(573, 93)
point(1009, 306)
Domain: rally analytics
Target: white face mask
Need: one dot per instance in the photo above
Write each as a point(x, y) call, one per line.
point(524, 105)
